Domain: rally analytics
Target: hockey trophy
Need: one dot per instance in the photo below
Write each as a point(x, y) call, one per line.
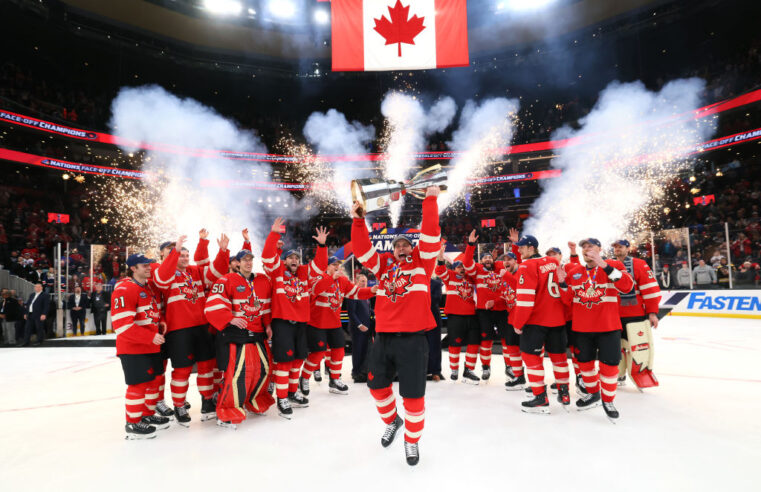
point(377, 193)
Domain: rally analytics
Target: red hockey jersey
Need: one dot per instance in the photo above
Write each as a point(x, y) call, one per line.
point(290, 298)
point(326, 299)
point(234, 296)
point(488, 282)
point(645, 297)
point(594, 294)
point(403, 299)
point(509, 293)
point(538, 296)
point(185, 294)
point(135, 317)
point(460, 292)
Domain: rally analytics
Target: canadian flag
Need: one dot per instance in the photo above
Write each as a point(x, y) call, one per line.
point(399, 34)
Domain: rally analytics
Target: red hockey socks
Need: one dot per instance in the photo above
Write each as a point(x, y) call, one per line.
point(535, 373)
point(151, 396)
point(560, 367)
point(454, 359)
point(414, 418)
point(281, 379)
point(486, 346)
point(293, 378)
point(386, 403)
point(218, 376)
point(312, 364)
point(590, 377)
point(514, 355)
point(135, 402)
point(179, 385)
point(471, 356)
point(608, 381)
point(205, 378)
point(574, 352)
point(336, 362)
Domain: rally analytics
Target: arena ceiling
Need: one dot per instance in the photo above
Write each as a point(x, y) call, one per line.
point(493, 25)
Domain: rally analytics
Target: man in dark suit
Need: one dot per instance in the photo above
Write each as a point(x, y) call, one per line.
point(77, 306)
point(35, 313)
point(361, 325)
point(100, 303)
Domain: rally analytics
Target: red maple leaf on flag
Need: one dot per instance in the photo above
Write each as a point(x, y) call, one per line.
point(400, 28)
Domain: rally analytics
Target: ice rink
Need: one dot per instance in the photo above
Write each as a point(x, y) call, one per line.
point(63, 414)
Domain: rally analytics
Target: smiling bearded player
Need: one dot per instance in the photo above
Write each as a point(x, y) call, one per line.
point(403, 315)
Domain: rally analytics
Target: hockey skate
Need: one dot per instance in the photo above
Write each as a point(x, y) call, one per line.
point(411, 452)
point(610, 411)
point(298, 400)
point(539, 404)
point(304, 386)
point(564, 397)
point(468, 377)
point(140, 430)
point(181, 416)
point(317, 375)
point(156, 421)
point(485, 373)
point(338, 387)
point(509, 372)
point(454, 376)
point(622, 381)
point(390, 433)
point(284, 408)
point(227, 425)
point(587, 401)
point(515, 384)
point(163, 409)
point(580, 388)
point(208, 409)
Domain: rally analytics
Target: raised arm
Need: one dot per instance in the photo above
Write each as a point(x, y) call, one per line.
point(360, 240)
point(270, 257)
point(201, 254)
point(430, 232)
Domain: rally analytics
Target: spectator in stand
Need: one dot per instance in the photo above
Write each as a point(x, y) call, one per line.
point(683, 276)
point(30, 251)
point(35, 314)
point(10, 312)
point(361, 326)
point(99, 305)
point(745, 276)
point(664, 279)
point(42, 262)
point(704, 275)
point(722, 277)
point(77, 306)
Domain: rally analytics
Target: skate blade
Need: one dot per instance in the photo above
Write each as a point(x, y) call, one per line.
point(184, 424)
point(299, 405)
point(226, 425)
point(536, 410)
point(471, 382)
point(336, 391)
point(285, 416)
point(584, 409)
point(208, 416)
point(565, 407)
point(161, 426)
point(514, 388)
point(138, 437)
point(612, 421)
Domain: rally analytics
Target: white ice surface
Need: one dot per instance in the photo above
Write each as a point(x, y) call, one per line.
point(62, 415)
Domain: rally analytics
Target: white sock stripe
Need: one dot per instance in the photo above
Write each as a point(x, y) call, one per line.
point(388, 414)
point(180, 384)
point(559, 369)
point(135, 415)
point(206, 375)
point(414, 418)
point(562, 381)
point(205, 388)
point(151, 396)
point(281, 373)
point(589, 374)
point(179, 395)
point(281, 386)
point(135, 402)
point(608, 393)
point(535, 372)
point(609, 380)
point(413, 434)
point(384, 403)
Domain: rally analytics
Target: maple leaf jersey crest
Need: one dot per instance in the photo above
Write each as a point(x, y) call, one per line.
point(590, 294)
point(292, 287)
point(493, 282)
point(401, 28)
point(397, 287)
point(465, 290)
point(252, 307)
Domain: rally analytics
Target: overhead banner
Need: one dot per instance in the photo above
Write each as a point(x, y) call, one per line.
point(714, 303)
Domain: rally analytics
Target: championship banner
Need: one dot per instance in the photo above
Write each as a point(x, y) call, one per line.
point(10, 117)
point(399, 35)
point(714, 303)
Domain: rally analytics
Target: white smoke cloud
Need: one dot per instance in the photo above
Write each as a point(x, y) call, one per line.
point(483, 128)
point(408, 126)
point(633, 143)
point(186, 200)
point(331, 133)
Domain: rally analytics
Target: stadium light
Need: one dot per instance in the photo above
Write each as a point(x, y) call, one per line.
point(321, 16)
point(282, 9)
point(223, 7)
point(522, 5)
